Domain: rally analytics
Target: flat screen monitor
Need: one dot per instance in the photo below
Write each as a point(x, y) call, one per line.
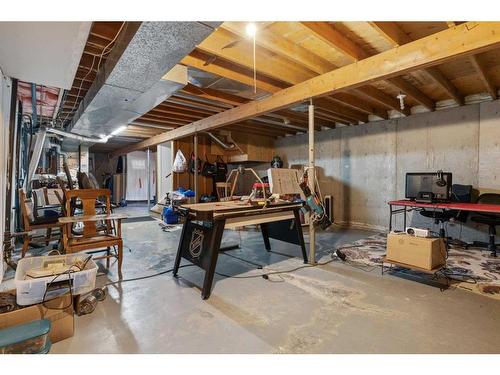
point(435, 185)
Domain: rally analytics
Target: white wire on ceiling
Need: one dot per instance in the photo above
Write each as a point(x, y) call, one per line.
point(92, 67)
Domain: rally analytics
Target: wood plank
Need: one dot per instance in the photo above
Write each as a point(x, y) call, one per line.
point(213, 94)
point(488, 84)
point(221, 44)
point(284, 47)
point(414, 92)
point(356, 103)
point(397, 37)
point(391, 32)
point(222, 69)
point(328, 34)
point(463, 40)
point(445, 83)
point(335, 108)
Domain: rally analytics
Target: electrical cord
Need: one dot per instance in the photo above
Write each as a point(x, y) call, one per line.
point(68, 272)
point(147, 276)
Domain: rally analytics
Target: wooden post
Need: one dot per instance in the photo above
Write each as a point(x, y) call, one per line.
point(195, 168)
point(311, 174)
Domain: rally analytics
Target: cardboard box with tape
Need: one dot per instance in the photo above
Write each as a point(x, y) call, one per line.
point(424, 253)
point(59, 311)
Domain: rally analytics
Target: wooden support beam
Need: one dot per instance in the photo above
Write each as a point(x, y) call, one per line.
point(413, 92)
point(283, 47)
point(463, 40)
point(337, 40)
point(382, 98)
point(397, 37)
point(488, 84)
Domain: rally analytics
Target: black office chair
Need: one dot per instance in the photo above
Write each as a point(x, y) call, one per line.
point(489, 219)
point(459, 193)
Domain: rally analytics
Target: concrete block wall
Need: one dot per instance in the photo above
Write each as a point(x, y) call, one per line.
point(363, 167)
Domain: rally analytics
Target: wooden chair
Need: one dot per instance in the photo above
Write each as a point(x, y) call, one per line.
point(36, 222)
point(92, 237)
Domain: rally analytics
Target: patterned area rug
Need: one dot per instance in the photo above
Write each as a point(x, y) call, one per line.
point(472, 269)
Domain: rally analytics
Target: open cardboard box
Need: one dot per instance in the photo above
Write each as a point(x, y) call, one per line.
point(62, 320)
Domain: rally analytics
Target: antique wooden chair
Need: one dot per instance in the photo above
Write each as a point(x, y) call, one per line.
point(92, 237)
point(34, 221)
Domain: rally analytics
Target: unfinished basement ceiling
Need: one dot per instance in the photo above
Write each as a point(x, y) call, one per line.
point(133, 81)
point(287, 53)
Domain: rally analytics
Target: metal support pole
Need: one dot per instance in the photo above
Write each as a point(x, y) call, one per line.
point(196, 167)
point(311, 175)
point(148, 153)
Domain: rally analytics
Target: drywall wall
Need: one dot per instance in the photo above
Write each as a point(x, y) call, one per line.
point(363, 167)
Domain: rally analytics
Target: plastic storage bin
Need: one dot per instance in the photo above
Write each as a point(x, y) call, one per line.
point(28, 338)
point(31, 290)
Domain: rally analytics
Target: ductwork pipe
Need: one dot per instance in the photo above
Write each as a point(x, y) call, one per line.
point(77, 136)
point(221, 143)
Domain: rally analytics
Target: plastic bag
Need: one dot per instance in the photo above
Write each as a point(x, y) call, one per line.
point(180, 163)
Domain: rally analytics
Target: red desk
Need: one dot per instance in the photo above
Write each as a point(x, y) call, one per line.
point(405, 203)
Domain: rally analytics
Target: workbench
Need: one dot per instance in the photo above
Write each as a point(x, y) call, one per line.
point(205, 222)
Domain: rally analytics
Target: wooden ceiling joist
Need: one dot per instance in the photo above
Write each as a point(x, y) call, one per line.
point(397, 37)
point(227, 46)
point(382, 98)
point(463, 40)
point(283, 47)
point(228, 70)
point(445, 84)
point(335, 39)
point(356, 103)
point(413, 92)
point(488, 84)
point(217, 95)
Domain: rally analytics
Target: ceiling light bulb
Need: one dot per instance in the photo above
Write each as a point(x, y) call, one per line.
point(251, 29)
point(119, 130)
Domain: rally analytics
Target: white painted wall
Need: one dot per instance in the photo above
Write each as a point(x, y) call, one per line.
point(364, 166)
point(137, 176)
point(164, 161)
point(5, 92)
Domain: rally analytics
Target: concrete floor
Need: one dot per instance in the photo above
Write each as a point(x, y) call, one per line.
point(329, 309)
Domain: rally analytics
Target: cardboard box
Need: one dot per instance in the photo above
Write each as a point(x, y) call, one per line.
point(419, 252)
point(62, 320)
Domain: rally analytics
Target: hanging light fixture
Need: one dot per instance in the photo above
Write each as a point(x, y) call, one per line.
point(251, 30)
